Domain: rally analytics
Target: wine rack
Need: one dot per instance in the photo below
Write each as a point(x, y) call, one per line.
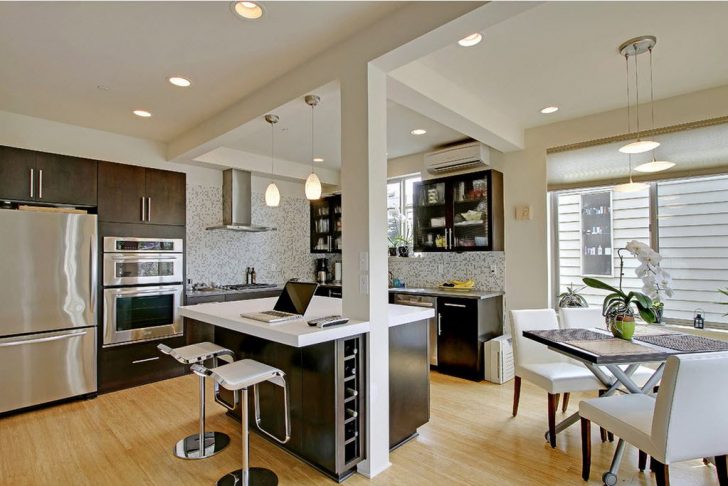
point(351, 399)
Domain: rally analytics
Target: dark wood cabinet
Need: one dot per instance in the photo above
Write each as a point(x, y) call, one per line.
point(463, 325)
point(40, 177)
point(326, 225)
point(132, 194)
point(329, 291)
point(459, 213)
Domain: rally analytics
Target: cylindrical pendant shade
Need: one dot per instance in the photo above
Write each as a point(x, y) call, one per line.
point(313, 187)
point(272, 195)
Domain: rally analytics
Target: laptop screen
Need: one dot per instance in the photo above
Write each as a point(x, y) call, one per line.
point(295, 297)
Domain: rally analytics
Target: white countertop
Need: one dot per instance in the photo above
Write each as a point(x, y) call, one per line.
point(295, 333)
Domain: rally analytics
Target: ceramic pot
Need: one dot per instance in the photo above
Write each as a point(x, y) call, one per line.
point(403, 251)
point(392, 251)
point(623, 327)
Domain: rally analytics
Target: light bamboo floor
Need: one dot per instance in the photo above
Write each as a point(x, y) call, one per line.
point(125, 438)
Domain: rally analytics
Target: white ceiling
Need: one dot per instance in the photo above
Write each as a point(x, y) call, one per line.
point(565, 54)
point(55, 54)
point(293, 131)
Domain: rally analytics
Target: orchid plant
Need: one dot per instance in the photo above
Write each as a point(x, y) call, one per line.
point(656, 285)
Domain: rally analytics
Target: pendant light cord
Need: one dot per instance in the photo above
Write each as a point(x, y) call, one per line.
point(637, 93)
point(272, 156)
point(312, 137)
point(652, 92)
point(629, 100)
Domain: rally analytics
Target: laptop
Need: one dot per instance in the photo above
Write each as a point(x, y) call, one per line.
point(292, 303)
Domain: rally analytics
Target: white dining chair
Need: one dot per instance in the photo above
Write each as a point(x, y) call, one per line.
point(686, 421)
point(544, 368)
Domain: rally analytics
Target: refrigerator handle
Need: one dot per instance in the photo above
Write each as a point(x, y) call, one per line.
point(93, 281)
point(32, 171)
point(42, 340)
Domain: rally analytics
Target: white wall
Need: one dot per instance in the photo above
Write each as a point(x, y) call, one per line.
point(525, 184)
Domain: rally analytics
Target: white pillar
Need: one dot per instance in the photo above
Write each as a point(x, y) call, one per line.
point(365, 267)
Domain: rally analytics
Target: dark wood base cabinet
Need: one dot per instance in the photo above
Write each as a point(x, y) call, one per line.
point(326, 385)
point(130, 365)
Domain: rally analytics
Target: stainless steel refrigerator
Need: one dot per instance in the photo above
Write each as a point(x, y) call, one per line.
point(47, 307)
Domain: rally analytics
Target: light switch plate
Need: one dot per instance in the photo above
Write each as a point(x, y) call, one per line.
point(523, 213)
point(363, 261)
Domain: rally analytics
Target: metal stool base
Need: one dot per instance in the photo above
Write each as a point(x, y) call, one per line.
point(189, 447)
point(257, 476)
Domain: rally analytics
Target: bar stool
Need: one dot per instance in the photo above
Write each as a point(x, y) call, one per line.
point(212, 442)
point(238, 377)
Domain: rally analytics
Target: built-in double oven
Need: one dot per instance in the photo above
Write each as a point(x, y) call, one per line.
point(142, 289)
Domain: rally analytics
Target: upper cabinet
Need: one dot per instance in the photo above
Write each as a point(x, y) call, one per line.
point(132, 194)
point(30, 176)
point(326, 225)
point(459, 213)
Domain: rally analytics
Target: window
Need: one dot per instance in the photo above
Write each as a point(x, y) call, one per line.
point(400, 210)
point(689, 222)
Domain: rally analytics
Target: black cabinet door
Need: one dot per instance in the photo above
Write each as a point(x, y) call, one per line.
point(457, 341)
point(66, 180)
point(166, 200)
point(121, 189)
point(15, 174)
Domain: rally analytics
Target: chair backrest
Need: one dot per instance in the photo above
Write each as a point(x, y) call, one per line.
point(528, 351)
point(690, 420)
point(581, 317)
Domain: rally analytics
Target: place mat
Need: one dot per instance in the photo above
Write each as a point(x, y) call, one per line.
point(686, 343)
point(652, 330)
point(611, 346)
point(568, 335)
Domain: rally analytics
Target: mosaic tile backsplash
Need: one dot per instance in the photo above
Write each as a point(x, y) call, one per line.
point(222, 256)
point(432, 269)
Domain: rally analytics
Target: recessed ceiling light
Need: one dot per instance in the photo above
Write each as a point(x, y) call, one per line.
point(179, 81)
point(418, 131)
point(248, 10)
point(318, 159)
point(142, 113)
point(102, 87)
point(471, 40)
point(549, 109)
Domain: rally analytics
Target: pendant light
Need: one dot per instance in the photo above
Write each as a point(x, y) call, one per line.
point(272, 194)
point(313, 184)
point(635, 47)
point(655, 165)
point(631, 186)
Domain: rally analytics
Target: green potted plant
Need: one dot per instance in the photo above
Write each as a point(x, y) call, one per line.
point(392, 244)
point(572, 298)
point(618, 307)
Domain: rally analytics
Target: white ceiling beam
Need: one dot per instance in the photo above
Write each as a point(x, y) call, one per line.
point(421, 89)
point(226, 157)
point(404, 25)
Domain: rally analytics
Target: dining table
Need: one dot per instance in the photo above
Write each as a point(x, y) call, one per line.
point(613, 361)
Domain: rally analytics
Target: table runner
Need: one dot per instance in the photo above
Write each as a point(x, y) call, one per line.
point(686, 343)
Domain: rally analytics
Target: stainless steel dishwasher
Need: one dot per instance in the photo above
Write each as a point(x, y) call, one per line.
point(423, 301)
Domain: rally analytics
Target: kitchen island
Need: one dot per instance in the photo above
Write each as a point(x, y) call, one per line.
point(326, 372)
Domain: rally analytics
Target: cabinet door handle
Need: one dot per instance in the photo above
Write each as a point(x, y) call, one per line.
point(144, 208)
point(149, 209)
point(448, 304)
point(439, 324)
point(31, 182)
point(145, 360)
point(40, 183)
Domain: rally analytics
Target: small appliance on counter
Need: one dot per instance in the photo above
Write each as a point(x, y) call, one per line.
point(337, 272)
point(322, 270)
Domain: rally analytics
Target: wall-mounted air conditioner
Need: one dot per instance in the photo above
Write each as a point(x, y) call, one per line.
point(458, 157)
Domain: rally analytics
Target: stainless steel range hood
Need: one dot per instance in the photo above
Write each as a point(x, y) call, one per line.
point(237, 203)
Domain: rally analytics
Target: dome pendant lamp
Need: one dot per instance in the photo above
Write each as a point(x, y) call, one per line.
point(635, 47)
point(313, 184)
point(272, 194)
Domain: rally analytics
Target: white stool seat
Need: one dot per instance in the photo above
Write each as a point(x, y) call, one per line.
point(195, 353)
point(243, 374)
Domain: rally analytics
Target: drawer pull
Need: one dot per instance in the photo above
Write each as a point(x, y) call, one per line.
point(447, 304)
point(145, 360)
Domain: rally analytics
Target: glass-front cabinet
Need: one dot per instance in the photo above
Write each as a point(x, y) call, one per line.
point(459, 213)
point(326, 225)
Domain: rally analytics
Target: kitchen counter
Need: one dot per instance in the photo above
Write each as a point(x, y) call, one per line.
point(205, 293)
point(297, 332)
point(435, 292)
